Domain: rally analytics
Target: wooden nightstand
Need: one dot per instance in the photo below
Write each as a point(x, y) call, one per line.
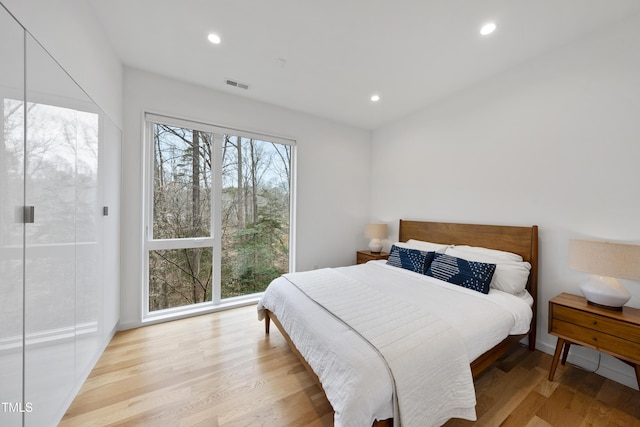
point(366, 256)
point(574, 321)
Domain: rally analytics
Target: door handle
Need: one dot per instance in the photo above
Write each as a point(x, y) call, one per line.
point(25, 214)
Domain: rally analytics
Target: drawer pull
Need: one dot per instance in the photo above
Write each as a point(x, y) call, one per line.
point(595, 322)
point(595, 338)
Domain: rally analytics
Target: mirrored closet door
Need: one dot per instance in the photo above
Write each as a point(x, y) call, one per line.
point(12, 229)
point(59, 251)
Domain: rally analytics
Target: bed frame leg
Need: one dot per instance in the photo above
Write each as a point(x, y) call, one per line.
point(267, 323)
point(532, 340)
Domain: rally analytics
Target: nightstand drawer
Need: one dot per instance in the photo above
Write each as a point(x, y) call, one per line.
point(596, 339)
point(366, 256)
point(598, 323)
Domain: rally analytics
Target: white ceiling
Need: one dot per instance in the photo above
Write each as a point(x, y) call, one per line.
point(340, 52)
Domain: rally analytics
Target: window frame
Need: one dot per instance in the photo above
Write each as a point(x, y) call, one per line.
point(149, 243)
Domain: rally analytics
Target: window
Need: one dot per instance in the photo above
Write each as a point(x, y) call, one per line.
point(218, 213)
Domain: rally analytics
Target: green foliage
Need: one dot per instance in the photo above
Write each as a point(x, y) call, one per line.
point(259, 253)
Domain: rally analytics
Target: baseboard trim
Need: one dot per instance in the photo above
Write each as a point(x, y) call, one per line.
point(230, 304)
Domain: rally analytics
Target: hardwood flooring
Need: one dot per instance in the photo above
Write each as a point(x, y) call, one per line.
point(221, 370)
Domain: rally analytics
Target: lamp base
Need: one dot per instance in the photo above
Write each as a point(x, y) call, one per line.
point(375, 245)
point(606, 307)
point(605, 292)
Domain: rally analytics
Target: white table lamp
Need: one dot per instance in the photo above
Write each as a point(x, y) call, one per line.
point(375, 232)
point(607, 261)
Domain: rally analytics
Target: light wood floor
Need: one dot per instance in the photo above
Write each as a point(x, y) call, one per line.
point(221, 370)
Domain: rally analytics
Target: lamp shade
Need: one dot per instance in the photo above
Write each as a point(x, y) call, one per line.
point(619, 260)
point(375, 231)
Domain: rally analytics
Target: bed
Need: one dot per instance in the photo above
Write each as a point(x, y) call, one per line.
point(349, 326)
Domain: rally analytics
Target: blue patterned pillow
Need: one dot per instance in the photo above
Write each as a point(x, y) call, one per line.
point(469, 274)
point(410, 259)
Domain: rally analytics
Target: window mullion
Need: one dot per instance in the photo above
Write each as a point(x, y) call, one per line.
point(201, 242)
point(216, 216)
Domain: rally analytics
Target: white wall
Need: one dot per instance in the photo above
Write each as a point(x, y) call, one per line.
point(71, 33)
point(333, 164)
point(555, 142)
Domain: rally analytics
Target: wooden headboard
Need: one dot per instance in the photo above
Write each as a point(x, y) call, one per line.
point(520, 240)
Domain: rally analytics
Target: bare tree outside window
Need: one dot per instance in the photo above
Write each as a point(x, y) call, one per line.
point(255, 193)
point(255, 214)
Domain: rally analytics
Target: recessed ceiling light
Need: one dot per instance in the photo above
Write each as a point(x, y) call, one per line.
point(375, 98)
point(488, 28)
point(214, 38)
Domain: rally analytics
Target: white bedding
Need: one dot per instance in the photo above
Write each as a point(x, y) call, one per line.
point(353, 375)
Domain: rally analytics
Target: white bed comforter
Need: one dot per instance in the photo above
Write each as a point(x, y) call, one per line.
point(354, 376)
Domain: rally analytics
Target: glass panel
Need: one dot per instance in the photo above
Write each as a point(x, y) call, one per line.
point(88, 291)
point(181, 183)
point(11, 231)
point(179, 277)
point(255, 214)
point(57, 128)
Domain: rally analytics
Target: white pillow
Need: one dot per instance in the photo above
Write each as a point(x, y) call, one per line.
point(510, 276)
point(427, 246)
point(494, 253)
point(411, 246)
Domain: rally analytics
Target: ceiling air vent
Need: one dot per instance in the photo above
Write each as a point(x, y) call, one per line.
point(237, 84)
